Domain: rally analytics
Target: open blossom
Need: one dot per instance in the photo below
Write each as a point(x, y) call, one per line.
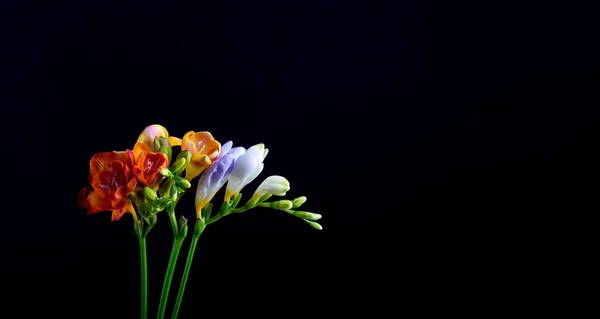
point(112, 181)
point(247, 168)
point(147, 168)
point(216, 176)
point(204, 149)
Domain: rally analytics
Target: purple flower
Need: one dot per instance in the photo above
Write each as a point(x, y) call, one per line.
point(214, 177)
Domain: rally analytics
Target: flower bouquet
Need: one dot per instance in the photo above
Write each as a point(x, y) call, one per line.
point(145, 181)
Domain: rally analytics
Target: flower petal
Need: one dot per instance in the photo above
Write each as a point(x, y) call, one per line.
point(174, 141)
point(197, 165)
point(96, 204)
point(150, 132)
point(99, 161)
point(140, 148)
point(127, 208)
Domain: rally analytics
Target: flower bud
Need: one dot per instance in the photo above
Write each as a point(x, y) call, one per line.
point(275, 185)
point(155, 145)
point(298, 201)
point(149, 194)
point(183, 183)
point(314, 225)
point(282, 204)
point(165, 187)
point(164, 146)
point(179, 165)
point(306, 215)
point(186, 155)
point(183, 227)
point(165, 172)
point(174, 193)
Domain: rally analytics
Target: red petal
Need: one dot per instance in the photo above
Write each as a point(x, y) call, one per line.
point(95, 203)
point(131, 186)
point(127, 208)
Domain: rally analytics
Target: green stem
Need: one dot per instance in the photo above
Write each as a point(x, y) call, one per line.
point(198, 229)
point(144, 272)
point(169, 277)
point(177, 242)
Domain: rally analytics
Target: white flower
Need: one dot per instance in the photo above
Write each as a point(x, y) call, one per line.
point(246, 169)
point(274, 185)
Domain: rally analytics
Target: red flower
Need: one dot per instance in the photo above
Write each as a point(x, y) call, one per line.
point(112, 180)
point(147, 165)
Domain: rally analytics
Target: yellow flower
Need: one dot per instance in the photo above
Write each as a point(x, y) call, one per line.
point(204, 149)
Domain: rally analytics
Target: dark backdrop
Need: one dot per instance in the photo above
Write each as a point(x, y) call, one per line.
point(450, 148)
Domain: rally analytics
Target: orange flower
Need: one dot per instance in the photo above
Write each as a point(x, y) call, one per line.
point(112, 180)
point(147, 165)
point(204, 149)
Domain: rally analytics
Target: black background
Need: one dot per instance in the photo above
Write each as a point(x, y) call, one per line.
point(452, 150)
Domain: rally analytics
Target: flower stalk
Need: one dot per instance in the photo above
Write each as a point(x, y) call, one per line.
point(180, 232)
point(198, 229)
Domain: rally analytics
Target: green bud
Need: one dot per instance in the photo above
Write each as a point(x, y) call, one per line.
point(185, 155)
point(298, 201)
point(183, 227)
point(174, 192)
point(184, 183)
point(182, 221)
point(282, 204)
point(165, 146)
point(314, 225)
point(179, 165)
point(155, 145)
point(165, 187)
point(149, 194)
point(307, 215)
point(167, 153)
point(165, 172)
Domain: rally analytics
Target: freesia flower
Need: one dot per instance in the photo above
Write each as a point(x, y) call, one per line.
point(216, 176)
point(204, 149)
point(152, 131)
point(112, 180)
point(247, 168)
point(274, 185)
point(147, 168)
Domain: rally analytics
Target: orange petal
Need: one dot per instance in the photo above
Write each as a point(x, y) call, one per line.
point(97, 204)
point(128, 208)
point(99, 161)
point(131, 186)
point(140, 148)
point(124, 190)
point(139, 174)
